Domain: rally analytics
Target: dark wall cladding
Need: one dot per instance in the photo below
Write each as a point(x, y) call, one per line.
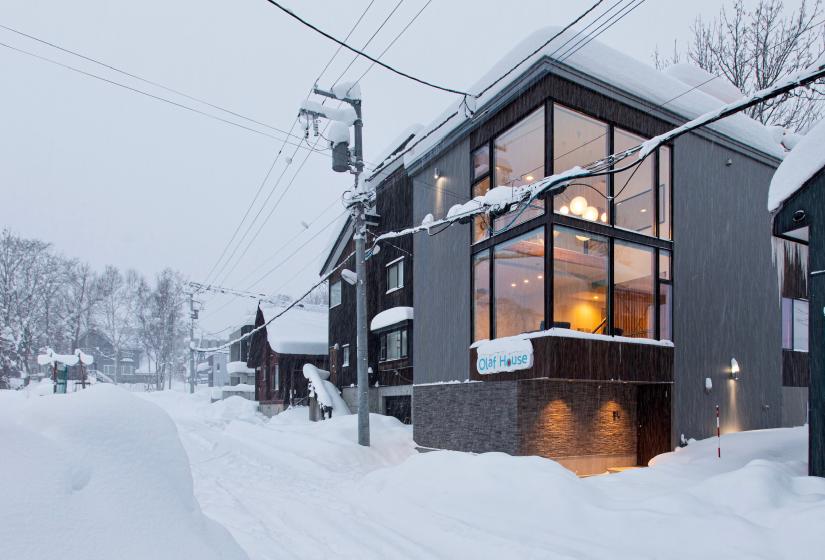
point(474, 417)
point(442, 270)
point(726, 299)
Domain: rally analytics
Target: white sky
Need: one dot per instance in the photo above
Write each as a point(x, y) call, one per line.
point(113, 177)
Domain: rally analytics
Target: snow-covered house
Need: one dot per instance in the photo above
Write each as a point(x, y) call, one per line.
point(389, 297)
point(282, 343)
point(649, 296)
point(797, 201)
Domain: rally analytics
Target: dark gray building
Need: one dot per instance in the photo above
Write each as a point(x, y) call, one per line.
point(648, 297)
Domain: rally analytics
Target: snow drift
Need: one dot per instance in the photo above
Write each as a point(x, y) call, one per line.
point(98, 474)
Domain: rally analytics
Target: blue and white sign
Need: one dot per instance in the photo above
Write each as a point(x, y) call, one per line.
point(497, 356)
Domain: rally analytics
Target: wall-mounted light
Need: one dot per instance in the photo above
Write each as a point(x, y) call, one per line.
point(708, 385)
point(734, 369)
point(437, 174)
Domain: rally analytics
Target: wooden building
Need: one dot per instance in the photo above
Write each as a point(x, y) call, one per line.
point(278, 350)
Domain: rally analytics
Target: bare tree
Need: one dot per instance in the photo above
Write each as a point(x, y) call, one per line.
point(117, 311)
point(753, 49)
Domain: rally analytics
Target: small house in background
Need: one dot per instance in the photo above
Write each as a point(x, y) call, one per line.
point(218, 376)
point(279, 349)
point(797, 201)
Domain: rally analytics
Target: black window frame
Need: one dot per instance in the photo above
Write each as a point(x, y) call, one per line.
point(340, 285)
point(403, 343)
point(549, 219)
point(399, 264)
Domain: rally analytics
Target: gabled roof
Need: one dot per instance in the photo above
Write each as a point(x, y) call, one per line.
point(613, 70)
point(301, 330)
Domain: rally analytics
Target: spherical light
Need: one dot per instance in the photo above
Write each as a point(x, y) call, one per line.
point(564, 210)
point(578, 205)
point(591, 213)
point(604, 217)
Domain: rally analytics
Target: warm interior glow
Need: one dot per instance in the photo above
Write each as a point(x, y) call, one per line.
point(591, 213)
point(578, 205)
point(564, 210)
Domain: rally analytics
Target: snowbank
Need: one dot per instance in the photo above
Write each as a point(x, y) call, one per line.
point(239, 367)
point(325, 391)
point(390, 317)
point(803, 162)
point(98, 474)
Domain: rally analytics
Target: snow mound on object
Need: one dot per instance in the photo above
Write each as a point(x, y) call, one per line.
point(99, 474)
point(390, 317)
point(802, 162)
point(326, 392)
point(235, 408)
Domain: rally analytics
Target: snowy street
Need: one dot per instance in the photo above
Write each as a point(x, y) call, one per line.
point(287, 488)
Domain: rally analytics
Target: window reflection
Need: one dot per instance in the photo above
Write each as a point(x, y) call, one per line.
point(481, 296)
point(481, 223)
point(481, 161)
point(633, 189)
point(579, 280)
point(633, 300)
point(518, 155)
point(580, 140)
point(664, 192)
point(519, 282)
point(665, 296)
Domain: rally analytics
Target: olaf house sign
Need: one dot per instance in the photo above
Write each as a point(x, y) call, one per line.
point(502, 355)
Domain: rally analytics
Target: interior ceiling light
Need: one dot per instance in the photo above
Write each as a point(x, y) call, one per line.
point(578, 205)
point(564, 210)
point(591, 214)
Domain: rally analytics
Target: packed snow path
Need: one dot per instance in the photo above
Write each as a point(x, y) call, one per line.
point(287, 488)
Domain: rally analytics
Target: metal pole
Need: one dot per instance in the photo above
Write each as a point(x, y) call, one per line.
point(361, 286)
point(191, 341)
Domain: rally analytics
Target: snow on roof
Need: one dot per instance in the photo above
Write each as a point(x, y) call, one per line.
point(616, 69)
point(802, 162)
point(695, 77)
point(301, 330)
point(398, 144)
point(390, 317)
point(238, 367)
point(203, 366)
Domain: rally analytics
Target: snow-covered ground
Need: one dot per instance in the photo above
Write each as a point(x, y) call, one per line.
point(288, 488)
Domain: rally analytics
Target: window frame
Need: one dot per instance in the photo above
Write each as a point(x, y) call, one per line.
point(550, 218)
point(792, 325)
point(399, 264)
point(340, 285)
point(344, 355)
point(403, 341)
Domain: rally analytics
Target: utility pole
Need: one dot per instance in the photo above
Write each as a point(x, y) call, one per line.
point(192, 316)
point(342, 161)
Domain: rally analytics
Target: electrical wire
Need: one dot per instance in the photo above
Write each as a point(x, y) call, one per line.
point(601, 29)
point(293, 15)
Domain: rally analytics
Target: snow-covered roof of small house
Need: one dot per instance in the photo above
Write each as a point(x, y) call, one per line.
point(613, 68)
point(803, 162)
point(203, 366)
point(238, 367)
point(390, 317)
point(301, 330)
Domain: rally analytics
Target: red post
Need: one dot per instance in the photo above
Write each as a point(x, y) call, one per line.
point(718, 435)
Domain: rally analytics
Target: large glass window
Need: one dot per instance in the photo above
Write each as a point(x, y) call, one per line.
point(664, 192)
point(665, 296)
point(580, 140)
point(633, 194)
point(481, 296)
point(481, 161)
point(519, 284)
point(518, 156)
point(633, 299)
point(579, 280)
point(795, 324)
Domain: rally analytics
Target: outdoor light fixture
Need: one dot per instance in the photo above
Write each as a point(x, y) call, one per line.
point(437, 174)
point(734, 369)
point(708, 385)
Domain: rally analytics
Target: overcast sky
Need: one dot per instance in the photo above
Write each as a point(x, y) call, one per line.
point(114, 177)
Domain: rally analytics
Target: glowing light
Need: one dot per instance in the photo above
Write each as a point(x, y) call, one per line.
point(526, 281)
point(564, 210)
point(604, 217)
point(591, 214)
point(513, 285)
point(578, 205)
point(539, 276)
point(734, 369)
point(582, 238)
point(643, 210)
point(595, 297)
point(528, 177)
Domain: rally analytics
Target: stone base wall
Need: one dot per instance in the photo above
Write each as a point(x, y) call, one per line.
point(586, 426)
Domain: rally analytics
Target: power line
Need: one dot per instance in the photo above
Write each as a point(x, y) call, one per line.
point(550, 40)
point(145, 80)
point(150, 95)
point(363, 54)
point(277, 156)
point(601, 29)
